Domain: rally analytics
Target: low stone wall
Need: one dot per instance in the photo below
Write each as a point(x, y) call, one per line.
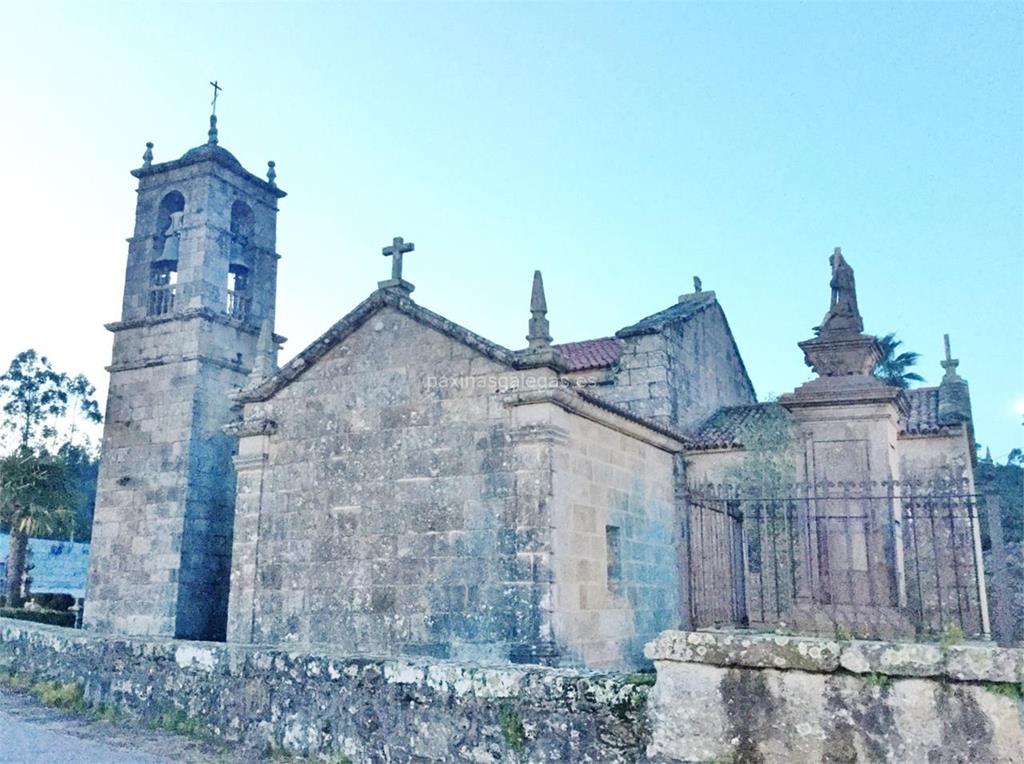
point(719, 696)
point(746, 697)
point(342, 708)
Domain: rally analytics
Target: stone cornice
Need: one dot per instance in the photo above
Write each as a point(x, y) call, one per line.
point(190, 314)
point(601, 412)
point(854, 390)
point(216, 155)
point(148, 363)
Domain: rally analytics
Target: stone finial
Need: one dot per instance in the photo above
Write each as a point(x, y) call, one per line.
point(697, 287)
point(265, 364)
point(271, 173)
point(539, 335)
point(949, 363)
point(212, 140)
point(954, 395)
point(147, 158)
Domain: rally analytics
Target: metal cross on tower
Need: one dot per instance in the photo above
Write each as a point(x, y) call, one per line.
point(216, 90)
point(398, 248)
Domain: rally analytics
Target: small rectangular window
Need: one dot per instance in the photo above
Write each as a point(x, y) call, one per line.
point(613, 550)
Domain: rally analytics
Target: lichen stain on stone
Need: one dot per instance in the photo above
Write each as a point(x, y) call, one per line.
point(751, 712)
point(859, 713)
point(966, 729)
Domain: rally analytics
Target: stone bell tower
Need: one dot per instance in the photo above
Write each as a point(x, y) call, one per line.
point(199, 286)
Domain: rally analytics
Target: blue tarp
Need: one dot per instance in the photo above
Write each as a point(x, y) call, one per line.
point(59, 566)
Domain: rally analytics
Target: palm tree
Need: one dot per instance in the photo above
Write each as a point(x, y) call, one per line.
point(893, 368)
point(35, 493)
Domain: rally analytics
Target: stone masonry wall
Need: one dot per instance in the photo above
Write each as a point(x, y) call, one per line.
point(682, 374)
point(394, 508)
point(719, 696)
point(163, 524)
point(748, 697)
point(706, 371)
point(614, 548)
point(344, 709)
point(165, 497)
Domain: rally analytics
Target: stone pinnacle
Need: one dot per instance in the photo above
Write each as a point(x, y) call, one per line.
point(539, 333)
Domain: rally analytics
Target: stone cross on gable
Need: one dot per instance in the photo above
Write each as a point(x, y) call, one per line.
point(398, 248)
point(950, 363)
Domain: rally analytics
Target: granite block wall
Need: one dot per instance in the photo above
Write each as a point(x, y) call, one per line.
point(679, 376)
point(616, 568)
point(734, 696)
point(394, 507)
point(165, 498)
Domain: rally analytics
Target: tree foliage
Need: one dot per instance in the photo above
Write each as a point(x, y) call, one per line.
point(36, 395)
point(768, 467)
point(1004, 482)
point(83, 467)
point(36, 493)
point(893, 367)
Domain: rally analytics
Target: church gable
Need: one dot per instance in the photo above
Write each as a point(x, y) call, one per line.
point(357, 319)
point(388, 359)
point(380, 492)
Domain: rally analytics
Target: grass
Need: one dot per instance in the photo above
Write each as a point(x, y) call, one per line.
point(14, 682)
point(881, 681)
point(177, 721)
point(66, 695)
point(1011, 690)
point(641, 678)
point(512, 727)
point(953, 635)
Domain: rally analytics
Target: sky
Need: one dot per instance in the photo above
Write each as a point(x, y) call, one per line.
point(621, 148)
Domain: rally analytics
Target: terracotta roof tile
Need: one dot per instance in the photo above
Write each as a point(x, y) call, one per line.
point(590, 354)
point(725, 427)
point(924, 411)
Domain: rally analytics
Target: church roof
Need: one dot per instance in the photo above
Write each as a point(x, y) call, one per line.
point(590, 354)
point(604, 351)
point(725, 428)
point(214, 153)
point(688, 306)
point(208, 152)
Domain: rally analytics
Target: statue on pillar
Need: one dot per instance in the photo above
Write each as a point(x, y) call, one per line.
point(843, 315)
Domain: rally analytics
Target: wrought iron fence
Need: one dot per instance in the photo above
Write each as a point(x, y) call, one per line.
point(881, 560)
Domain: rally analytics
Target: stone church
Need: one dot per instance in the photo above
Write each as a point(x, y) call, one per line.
point(405, 486)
